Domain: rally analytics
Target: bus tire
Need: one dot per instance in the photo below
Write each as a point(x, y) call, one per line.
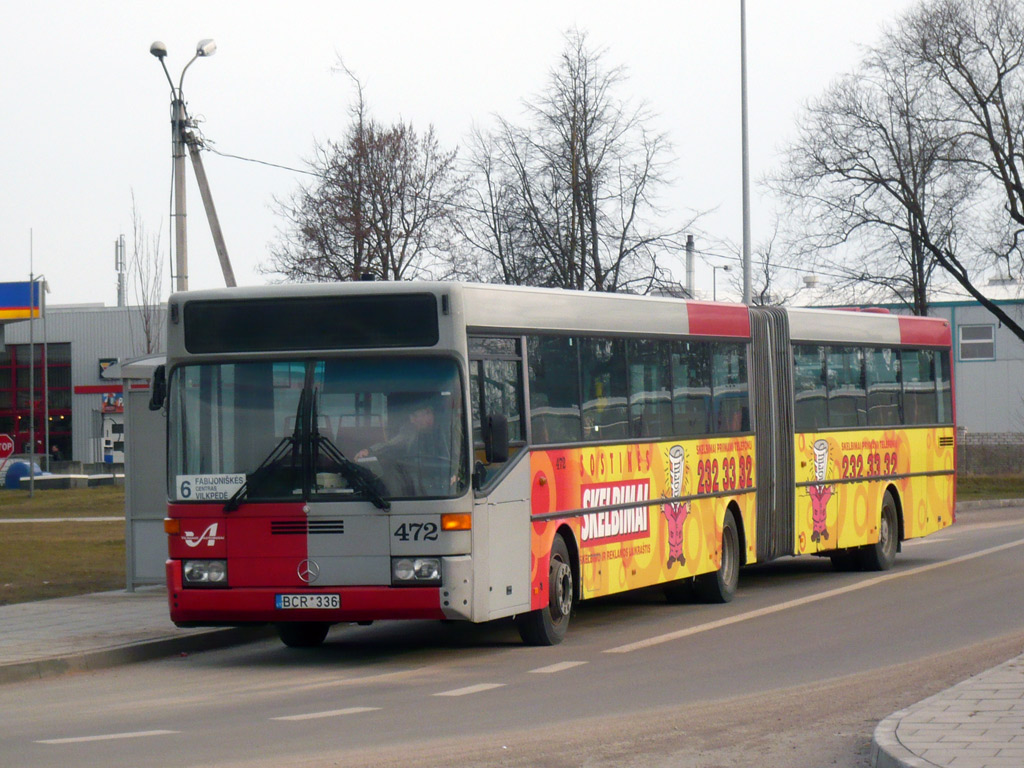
point(720, 586)
point(303, 634)
point(547, 625)
point(881, 556)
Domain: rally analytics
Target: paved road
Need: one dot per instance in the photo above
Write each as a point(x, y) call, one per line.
point(796, 671)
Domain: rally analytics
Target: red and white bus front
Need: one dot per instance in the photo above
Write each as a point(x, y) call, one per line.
point(309, 491)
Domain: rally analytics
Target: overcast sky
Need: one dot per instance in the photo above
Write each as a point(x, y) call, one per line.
point(86, 107)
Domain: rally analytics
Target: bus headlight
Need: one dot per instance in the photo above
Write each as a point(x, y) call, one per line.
point(415, 571)
point(205, 573)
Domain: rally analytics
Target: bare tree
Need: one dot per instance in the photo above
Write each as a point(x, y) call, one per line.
point(904, 158)
point(383, 203)
point(771, 277)
point(146, 267)
point(495, 234)
point(872, 173)
point(568, 200)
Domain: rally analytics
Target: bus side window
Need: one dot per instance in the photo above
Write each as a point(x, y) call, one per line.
point(944, 377)
point(650, 380)
point(809, 387)
point(847, 398)
point(883, 380)
point(554, 389)
point(729, 387)
point(920, 402)
point(605, 389)
point(691, 387)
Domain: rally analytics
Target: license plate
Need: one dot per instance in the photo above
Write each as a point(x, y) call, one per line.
point(307, 602)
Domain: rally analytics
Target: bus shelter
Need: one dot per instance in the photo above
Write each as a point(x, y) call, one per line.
point(145, 504)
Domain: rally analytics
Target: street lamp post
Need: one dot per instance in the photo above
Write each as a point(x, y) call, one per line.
point(179, 121)
point(745, 152)
point(714, 281)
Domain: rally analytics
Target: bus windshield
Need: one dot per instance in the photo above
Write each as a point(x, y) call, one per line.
point(338, 429)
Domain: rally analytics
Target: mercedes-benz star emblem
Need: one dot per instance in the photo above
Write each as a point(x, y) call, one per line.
point(308, 570)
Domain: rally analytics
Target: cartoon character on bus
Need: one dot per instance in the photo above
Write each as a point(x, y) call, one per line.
point(820, 493)
point(676, 512)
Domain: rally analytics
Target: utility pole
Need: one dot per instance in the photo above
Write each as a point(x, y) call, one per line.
point(745, 152)
point(178, 156)
point(689, 266)
point(211, 211)
point(180, 137)
point(31, 369)
point(120, 267)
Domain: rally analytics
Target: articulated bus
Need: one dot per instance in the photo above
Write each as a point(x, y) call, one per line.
point(366, 451)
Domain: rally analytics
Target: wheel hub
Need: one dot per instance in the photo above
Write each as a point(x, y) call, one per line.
point(561, 589)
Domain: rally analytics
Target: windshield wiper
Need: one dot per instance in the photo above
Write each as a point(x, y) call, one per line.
point(288, 441)
point(358, 477)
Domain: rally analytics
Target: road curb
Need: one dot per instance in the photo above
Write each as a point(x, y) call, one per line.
point(966, 506)
point(886, 749)
point(145, 650)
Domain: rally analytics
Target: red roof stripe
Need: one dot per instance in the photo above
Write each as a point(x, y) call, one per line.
point(709, 319)
point(925, 331)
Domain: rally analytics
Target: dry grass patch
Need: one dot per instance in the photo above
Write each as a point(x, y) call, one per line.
point(43, 560)
point(101, 501)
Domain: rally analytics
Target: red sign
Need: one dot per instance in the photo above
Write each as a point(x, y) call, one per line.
point(6, 446)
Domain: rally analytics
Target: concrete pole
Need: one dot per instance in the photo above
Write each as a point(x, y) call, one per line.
point(689, 266)
point(211, 212)
point(46, 378)
point(745, 151)
point(178, 153)
point(31, 370)
point(120, 266)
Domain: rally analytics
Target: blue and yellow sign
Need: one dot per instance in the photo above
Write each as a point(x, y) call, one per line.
point(20, 301)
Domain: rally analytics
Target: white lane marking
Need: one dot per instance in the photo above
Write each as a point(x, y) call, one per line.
point(560, 667)
point(755, 614)
point(471, 689)
point(929, 540)
point(329, 713)
point(107, 737)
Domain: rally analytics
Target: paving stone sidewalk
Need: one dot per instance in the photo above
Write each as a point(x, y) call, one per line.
point(52, 637)
point(978, 723)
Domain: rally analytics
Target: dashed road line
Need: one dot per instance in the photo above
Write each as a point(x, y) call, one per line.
point(107, 737)
point(560, 667)
point(328, 713)
point(768, 610)
point(471, 689)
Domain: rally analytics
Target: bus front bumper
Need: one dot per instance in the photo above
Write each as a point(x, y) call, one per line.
point(254, 605)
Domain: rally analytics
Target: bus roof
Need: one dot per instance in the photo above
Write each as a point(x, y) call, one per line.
point(854, 327)
point(490, 308)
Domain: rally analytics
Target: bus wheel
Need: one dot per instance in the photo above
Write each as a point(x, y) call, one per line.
point(303, 634)
point(547, 625)
point(720, 586)
point(881, 556)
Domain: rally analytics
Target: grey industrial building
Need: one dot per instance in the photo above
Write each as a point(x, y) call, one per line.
point(78, 414)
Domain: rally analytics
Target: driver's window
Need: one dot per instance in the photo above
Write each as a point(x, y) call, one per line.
point(496, 388)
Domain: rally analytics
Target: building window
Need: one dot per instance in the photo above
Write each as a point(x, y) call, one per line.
point(977, 342)
point(22, 409)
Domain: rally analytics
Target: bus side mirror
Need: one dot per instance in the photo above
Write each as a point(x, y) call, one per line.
point(496, 439)
point(158, 389)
